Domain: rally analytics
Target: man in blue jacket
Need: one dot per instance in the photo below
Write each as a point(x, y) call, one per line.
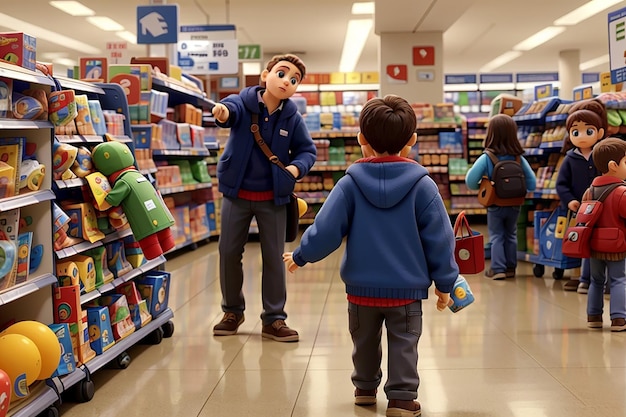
point(254, 187)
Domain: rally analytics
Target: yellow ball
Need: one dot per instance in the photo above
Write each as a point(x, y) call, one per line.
point(46, 342)
point(20, 359)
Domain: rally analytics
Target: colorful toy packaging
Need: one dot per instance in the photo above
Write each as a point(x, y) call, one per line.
point(154, 287)
point(19, 48)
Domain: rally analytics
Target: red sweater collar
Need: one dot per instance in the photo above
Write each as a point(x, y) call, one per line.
point(382, 159)
point(114, 176)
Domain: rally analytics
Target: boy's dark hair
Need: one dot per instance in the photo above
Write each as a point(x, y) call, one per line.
point(289, 58)
point(387, 123)
point(502, 136)
point(607, 150)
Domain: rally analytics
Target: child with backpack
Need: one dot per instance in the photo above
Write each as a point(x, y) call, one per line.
point(608, 238)
point(586, 125)
point(501, 141)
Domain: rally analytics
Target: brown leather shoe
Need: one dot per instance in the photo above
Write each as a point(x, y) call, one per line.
point(618, 324)
point(365, 396)
point(229, 324)
point(594, 321)
point(403, 408)
point(279, 331)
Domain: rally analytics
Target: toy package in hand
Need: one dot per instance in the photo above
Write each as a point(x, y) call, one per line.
point(100, 188)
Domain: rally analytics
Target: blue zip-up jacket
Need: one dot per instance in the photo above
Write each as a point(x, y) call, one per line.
point(290, 141)
point(575, 176)
point(484, 167)
point(399, 238)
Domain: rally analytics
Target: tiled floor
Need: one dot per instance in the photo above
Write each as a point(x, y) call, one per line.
point(522, 349)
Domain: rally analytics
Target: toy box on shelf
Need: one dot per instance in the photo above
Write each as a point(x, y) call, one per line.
point(19, 48)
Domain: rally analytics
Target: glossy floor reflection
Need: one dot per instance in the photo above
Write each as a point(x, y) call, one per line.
point(522, 349)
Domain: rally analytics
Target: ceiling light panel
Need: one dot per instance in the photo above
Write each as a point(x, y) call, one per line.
point(127, 36)
point(356, 36)
point(363, 8)
point(41, 33)
point(73, 8)
point(501, 60)
point(585, 12)
point(539, 38)
point(105, 23)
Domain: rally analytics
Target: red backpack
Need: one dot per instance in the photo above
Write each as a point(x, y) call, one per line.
point(583, 237)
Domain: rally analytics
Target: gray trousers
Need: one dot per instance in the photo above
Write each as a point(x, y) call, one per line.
point(404, 328)
point(271, 219)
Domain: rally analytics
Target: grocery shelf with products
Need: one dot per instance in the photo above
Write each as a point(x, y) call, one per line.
point(70, 264)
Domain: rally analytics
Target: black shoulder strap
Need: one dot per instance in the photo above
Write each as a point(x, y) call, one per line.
point(492, 156)
point(607, 190)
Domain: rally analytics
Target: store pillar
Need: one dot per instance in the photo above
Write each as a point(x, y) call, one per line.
point(411, 66)
point(569, 72)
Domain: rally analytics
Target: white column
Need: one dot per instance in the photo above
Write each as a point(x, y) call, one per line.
point(569, 72)
point(424, 82)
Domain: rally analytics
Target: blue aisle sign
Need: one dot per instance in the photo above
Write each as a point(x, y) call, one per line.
point(157, 24)
point(617, 45)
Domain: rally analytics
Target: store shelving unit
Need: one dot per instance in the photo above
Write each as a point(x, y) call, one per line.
point(32, 300)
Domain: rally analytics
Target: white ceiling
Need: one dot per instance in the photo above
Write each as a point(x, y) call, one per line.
point(475, 31)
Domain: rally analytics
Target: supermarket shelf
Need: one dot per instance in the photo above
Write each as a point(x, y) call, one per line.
point(79, 138)
point(28, 199)
point(26, 288)
point(183, 188)
point(71, 183)
point(110, 286)
point(329, 166)
point(72, 84)
point(86, 245)
point(179, 94)
point(40, 399)
point(18, 73)
point(123, 344)
point(181, 152)
point(24, 124)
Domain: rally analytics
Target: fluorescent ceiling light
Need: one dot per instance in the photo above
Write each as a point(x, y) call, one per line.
point(50, 36)
point(356, 36)
point(501, 60)
point(64, 61)
point(127, 36)
point(539, 38)
point(105, 23)
point(73, 8)
point(585, 11)
point(596, 62)
point(366, 7)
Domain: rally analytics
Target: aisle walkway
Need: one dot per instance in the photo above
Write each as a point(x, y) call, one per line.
point(522, 349)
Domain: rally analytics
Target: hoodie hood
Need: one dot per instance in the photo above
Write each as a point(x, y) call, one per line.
point(383, 181)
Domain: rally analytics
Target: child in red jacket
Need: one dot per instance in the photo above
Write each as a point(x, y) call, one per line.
point(608, 239)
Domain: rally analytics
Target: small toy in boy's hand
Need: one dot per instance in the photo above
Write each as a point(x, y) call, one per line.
point(461, 295)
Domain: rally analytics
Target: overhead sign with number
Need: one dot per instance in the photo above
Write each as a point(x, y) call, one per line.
point(208, 49)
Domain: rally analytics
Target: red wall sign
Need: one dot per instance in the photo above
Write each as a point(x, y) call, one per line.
point(397, 74)
point(423, 55)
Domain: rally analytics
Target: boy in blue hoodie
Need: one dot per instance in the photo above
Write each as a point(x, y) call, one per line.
point(398, 241)
point(255, 187)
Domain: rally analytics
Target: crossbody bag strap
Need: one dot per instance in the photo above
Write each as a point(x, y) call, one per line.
point(254, 128)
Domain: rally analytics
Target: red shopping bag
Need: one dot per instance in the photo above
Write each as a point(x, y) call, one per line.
point(469, 250)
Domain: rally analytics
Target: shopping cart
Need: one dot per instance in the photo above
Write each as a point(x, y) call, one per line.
point(549, 230)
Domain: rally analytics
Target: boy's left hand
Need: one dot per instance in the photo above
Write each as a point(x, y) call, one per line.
point(288, 260)
point(443, 301)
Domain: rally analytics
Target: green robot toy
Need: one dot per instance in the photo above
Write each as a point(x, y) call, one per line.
point(149, 218)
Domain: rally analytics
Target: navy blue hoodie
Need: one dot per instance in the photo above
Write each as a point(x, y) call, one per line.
point(399, 238)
